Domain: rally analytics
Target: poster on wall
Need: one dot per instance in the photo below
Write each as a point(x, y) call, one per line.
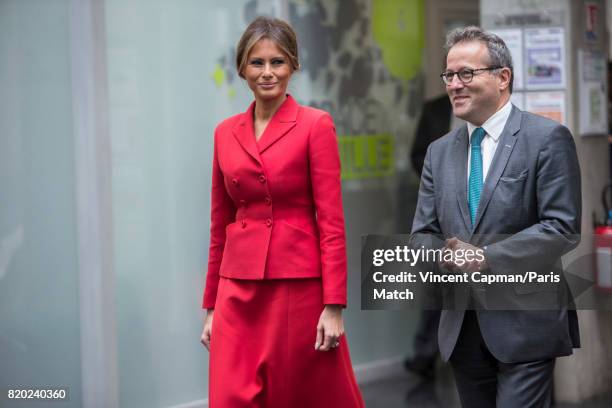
point(593, 119)
point(513, 37)
point(549, 104)
point(545, 58)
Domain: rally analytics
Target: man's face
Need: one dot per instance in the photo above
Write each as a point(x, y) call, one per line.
point(477, 100)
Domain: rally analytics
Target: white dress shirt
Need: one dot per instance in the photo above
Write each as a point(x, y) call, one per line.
point(494, 127)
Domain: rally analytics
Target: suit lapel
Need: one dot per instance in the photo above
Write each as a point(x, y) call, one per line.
point(504, 148)
point(460, 169)
point(281, 123)
point(245, 135)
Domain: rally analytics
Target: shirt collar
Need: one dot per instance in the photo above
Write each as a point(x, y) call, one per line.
point(495, 124)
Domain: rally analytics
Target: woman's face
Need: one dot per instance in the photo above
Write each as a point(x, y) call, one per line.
point(267, 71)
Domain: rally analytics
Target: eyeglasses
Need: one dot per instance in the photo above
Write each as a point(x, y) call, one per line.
point(465, 75)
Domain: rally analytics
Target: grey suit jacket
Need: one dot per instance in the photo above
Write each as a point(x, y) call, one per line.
point(528, 217)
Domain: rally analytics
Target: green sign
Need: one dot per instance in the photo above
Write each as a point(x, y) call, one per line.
point(366, 156)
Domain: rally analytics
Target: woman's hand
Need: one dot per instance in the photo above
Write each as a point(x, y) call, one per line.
point(207, 332)
point(330, 328)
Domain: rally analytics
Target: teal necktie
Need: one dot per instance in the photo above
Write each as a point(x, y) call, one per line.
point(475, 180)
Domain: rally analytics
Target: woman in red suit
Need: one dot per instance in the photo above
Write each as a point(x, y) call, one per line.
point(276, 281)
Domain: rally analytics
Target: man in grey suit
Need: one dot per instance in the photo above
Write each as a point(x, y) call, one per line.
point(507, 184)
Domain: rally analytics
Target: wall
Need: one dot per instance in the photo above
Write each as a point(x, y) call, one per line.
point(39, 296)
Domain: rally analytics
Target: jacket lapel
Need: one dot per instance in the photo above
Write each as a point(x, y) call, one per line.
point(281, 123)
point(245, 135)
point(460, 169)
point(504, 148)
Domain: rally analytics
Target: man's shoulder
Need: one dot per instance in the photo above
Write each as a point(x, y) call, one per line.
point(538, 126)
point(531, 119)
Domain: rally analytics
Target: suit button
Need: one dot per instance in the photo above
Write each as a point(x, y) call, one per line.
point(235, 182)
point(262, 178)
point(243, 203)
point(268, 201)
point(269, 222)
point(243, 224)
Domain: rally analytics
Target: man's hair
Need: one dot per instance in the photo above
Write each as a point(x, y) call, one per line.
point(499, 54)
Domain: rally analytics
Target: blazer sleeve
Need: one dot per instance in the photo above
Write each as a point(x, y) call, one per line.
point(426, 229)
point(222, 213)
point(324, 162)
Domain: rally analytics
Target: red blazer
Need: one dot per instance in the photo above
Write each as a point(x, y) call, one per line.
point(276, 209)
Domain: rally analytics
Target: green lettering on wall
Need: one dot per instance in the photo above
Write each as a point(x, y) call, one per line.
point(366, 156)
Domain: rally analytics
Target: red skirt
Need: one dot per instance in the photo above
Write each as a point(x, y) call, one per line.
point(262, 349)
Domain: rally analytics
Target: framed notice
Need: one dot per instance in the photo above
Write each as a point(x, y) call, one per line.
point(593, 117)
point(545, 58)
point(548, 104)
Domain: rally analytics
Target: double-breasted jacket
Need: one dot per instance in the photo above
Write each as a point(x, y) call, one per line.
point(276, 205)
